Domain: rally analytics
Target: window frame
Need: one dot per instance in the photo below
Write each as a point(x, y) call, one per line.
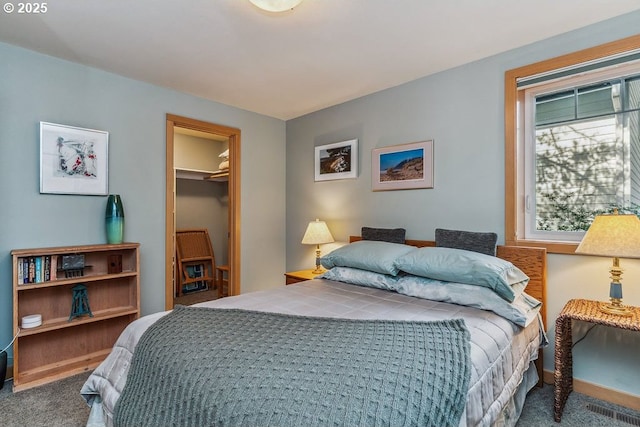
point(514, 164)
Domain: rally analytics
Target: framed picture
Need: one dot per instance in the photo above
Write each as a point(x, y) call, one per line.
point(73, 160)
point(337, 161)
point(402, 167)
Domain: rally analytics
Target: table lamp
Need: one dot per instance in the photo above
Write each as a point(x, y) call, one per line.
point(317, 234)
point(616, 236)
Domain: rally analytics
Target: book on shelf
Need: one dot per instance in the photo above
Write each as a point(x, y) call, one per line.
point(53, 268)
point(46, 265)
point(37, 269)
point(37, 276)
point(25, 270)
point(32, 270)
point(20, 271)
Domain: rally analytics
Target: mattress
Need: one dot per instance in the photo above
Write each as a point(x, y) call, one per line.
point(501, 352)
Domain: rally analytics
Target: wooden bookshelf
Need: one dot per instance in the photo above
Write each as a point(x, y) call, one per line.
point(61, 346)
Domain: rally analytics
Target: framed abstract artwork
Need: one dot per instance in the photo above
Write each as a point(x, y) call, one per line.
point(336, 161)
point(402, 167)
point(73, 160)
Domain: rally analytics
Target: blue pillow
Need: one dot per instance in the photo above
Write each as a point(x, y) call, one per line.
point(522, 311)
point(367, 255)
point(359, 277)
point(461, 266)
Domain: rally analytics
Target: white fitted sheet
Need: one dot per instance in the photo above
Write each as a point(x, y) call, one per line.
point(501, 352)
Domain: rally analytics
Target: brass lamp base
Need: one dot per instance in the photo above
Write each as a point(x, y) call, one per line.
point(615, 308)
point(319, 268)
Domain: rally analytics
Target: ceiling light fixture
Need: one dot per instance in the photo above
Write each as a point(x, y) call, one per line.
point(276, 5)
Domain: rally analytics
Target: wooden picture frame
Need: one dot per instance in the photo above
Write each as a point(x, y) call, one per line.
point(73, 160)
point(336, 161)
point(402, 167)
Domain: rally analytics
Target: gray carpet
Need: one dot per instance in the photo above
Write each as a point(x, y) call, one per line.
point(59, 405)
point(538, 411)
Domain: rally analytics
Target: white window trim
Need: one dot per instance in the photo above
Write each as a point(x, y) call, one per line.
point(527, 135)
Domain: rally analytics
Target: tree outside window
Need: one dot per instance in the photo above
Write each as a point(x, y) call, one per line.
point(587, 154)
point(571, 143)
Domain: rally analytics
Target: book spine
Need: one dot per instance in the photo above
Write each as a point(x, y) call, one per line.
point(47, 268)
point(53, 275)
point(32, 270)
point(25, 271)
point(38, 273)
point(20, 271)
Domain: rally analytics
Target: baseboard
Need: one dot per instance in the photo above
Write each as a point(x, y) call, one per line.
point(610, 395)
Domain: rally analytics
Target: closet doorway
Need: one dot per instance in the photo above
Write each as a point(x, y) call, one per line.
point(203, 133)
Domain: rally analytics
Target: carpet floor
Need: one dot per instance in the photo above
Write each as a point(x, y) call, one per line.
point(59, 404)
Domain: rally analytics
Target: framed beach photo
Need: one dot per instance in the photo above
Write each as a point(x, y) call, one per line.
point(336, 161)
point(73, 160)
point(402, 167)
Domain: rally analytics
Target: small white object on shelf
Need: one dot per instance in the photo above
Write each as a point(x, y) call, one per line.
point(31, 321)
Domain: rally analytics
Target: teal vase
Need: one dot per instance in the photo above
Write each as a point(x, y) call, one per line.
point(114, 219)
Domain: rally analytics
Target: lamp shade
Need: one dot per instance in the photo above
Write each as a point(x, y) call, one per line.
point(276, 5)
point(612, 235)
point(317, 233)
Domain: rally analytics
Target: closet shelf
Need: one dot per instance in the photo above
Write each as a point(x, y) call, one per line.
point(218, 176)
point(201, 175)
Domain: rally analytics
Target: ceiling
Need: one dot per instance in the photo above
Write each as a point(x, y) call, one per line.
point(322, 53)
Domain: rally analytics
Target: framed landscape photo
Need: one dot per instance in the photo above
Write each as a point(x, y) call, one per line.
point(402, 167)
point(73, 160)
point(336, 161)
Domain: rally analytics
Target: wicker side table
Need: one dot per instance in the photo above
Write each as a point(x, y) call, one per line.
point(586, 311)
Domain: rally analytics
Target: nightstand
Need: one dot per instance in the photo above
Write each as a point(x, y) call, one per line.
point(586, 311)
point(300, 276)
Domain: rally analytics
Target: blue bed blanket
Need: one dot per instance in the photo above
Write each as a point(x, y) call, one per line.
point(229, 367)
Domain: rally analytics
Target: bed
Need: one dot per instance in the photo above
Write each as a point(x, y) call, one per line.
point(487, 384)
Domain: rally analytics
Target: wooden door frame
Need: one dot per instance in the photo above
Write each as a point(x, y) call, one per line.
point(233, 135)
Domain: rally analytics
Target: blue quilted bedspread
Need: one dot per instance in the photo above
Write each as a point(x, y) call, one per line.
point(217, 367)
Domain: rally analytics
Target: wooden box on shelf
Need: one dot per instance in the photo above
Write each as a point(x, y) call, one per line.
point(63, 346)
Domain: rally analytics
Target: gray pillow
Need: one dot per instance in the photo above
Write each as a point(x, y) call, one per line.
point(367, 255)
point(485, 243)
point(359, 277)
point(522, 311)
point(391, 235)
point(462, 266)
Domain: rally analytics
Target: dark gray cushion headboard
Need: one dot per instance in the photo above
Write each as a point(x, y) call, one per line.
point(485, 243)
point(391, 235)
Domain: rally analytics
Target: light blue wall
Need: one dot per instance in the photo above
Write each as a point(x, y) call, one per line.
point(35, 88)
point(462, 109)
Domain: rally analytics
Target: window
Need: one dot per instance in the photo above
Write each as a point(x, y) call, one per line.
point(572, 128)
point(581, 151)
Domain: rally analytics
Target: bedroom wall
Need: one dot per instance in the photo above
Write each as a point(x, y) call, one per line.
point(35, 87)
point(462, 110)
